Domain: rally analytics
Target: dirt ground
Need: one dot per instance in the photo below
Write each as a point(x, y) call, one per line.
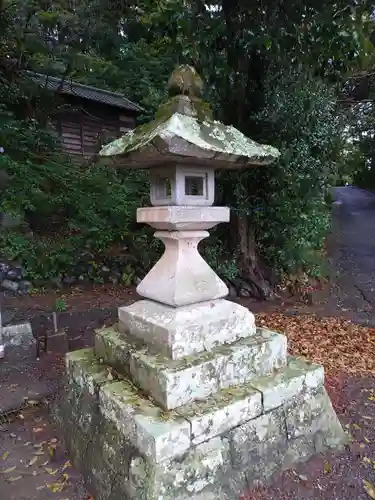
point(35, 466)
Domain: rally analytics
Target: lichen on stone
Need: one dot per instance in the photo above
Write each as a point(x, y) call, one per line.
point(187, 118)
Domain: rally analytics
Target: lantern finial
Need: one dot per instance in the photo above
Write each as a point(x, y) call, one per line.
point(185, 81)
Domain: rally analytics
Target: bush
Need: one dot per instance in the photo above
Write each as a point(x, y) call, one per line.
point(286, 202)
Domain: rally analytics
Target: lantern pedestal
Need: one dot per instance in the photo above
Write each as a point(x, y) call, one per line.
point(241, 413)
point(184, 398)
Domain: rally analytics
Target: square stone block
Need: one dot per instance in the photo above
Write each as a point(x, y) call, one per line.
point(176, 383)
point(182, 218)
point(182, 331)
point(155, 434)
point(222, 411)
point(297, 377)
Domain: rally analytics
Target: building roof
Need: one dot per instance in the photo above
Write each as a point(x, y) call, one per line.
point(85, 91)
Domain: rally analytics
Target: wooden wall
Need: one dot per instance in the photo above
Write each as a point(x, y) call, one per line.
point(85, 125)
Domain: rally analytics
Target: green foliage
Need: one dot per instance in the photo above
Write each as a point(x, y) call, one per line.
point(77, 214)
point(60, 305)
point(70, 212)
point(309, 132)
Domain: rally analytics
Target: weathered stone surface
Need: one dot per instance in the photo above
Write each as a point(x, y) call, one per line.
point(156, 435)
point(298, 376)
point(312, 414)
point(180, 332)
point(111, 348)
point(181, 276)
point(181, 135)
point(182, 218)
point(258, 438)
point(18, 335)
point(176, 383)
point(129, 448)
point(84, 369)
point(114, 468)
point(170, 185)
point(221, 412)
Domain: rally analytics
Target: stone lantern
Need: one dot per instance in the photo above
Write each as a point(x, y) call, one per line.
point(184, 398)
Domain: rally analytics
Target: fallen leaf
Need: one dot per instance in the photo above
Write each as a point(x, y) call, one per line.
point(50, 471)
point(67, 464)
point(32, 461)
point(12, 435)
point(5, 455)
point(8, 470)
point(13, 479)
point(52, 451)
point(56, 487)
point(327, 468)
point(369, 488)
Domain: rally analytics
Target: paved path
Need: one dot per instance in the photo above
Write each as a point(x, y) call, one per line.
point(353, 258)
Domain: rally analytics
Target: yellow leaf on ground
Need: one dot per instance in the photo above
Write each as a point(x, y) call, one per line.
point(327, 468)
point(50, 471)
point(369, 488)
point(32, 461)
point(8, 470)
point(55, 487)
point(5, 455)
point(67, 464)
point(12, 479)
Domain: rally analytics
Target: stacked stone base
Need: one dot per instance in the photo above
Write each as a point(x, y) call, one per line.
point(216, 447)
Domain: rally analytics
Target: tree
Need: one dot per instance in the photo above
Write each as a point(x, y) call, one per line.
point(273, 70)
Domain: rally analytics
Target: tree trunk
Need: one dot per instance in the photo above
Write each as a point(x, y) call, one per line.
point(249, 265)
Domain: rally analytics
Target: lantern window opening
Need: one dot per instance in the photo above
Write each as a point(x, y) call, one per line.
point(163, 187)
point(195, 186)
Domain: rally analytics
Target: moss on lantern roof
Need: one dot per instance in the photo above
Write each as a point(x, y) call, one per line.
point(184, 126)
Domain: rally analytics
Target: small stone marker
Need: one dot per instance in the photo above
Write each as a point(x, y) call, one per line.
point(185, 398)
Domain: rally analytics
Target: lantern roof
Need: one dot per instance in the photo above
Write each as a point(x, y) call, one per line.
point(185, 132)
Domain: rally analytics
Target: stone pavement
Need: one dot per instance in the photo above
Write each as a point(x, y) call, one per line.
point(353, 255)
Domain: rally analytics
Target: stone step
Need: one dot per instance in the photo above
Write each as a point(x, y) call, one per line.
point(164, 435)
point(175, 383)
point(183, 331)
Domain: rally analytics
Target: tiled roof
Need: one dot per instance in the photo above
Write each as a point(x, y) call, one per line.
point(85, 91)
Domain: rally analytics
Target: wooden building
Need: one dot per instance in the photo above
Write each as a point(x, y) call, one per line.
point(91, 116)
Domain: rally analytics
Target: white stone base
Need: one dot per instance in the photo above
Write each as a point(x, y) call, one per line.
point(172, 384)
point(182, 277)
point(179, 332)
point(127, 447)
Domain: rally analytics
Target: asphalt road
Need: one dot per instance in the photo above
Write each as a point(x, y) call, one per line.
point(353, 256)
